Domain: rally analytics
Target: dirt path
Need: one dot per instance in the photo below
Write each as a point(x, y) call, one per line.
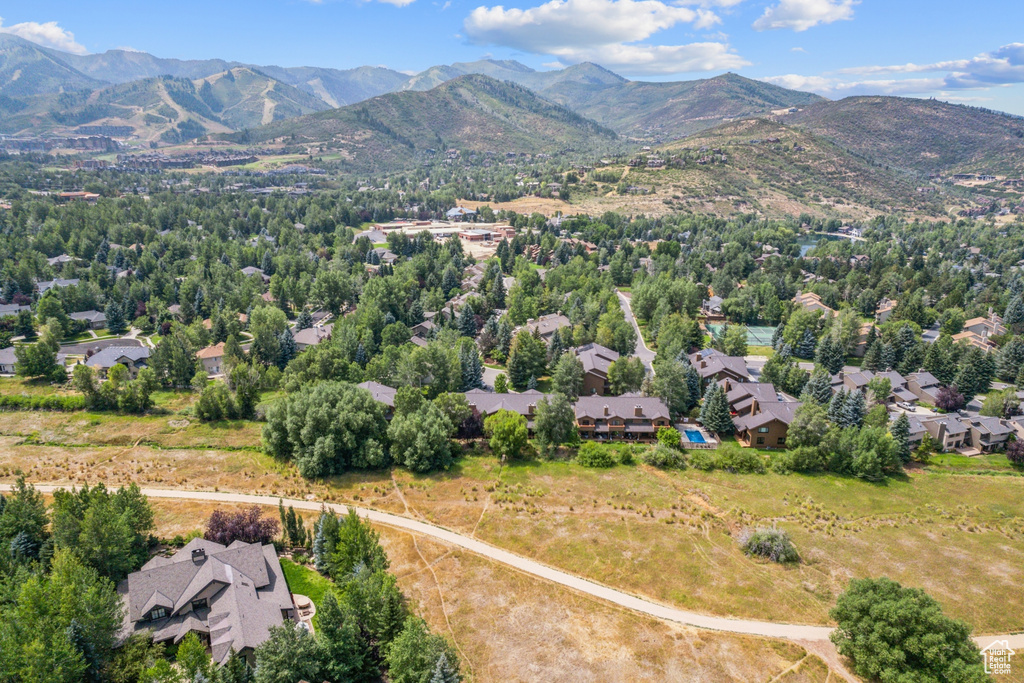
point(797, 632)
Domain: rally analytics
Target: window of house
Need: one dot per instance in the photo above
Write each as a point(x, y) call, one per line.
point(762, 430)
point(158, 613)
point(760, 440)
point(782, 441)
point(199, 604)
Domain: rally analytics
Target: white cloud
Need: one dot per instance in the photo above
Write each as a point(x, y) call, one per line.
point(798, 49)
point(47, 35)
point(604, 31)
point(1001, 67)
point(800, 15)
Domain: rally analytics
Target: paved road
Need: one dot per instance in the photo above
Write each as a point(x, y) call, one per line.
point(645, 354)
point(534, 568)
point(83, 347)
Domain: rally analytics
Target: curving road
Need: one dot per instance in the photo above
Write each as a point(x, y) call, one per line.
point(644, 353)
point(534, 568)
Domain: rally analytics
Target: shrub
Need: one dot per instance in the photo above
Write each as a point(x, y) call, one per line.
point(45, 402)
point(669, 436)
point(703, 460)
point(665, 457)
point(771, 544)
point(740, 460)
point(1015, 453)
point(594, 455)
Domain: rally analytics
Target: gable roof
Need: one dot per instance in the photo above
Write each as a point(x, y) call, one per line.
point(90, 316)
point(488, 403)
point(243, 585)
point(596, 358)
point(769, 412)
point(214, 351)
point(111, 356)
point(311, 336)
point(624, 407)
point(381, 392)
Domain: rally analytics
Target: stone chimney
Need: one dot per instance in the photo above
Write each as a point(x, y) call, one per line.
point(606, 410)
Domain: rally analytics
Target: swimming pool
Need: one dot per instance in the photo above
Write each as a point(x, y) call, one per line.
point(694, 436)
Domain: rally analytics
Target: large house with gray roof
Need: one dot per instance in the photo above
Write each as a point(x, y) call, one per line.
point(630, 416)
point(596, 361)
point(132, 357)
point(230, 596)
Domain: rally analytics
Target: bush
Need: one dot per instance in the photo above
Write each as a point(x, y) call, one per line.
point(703, 460)
point(740, 460)
point(1015, 453)
point(594, 455)
point(247, 525)
point(45, 402)
point(669, 436)
point(771, 544)
point(665, 457)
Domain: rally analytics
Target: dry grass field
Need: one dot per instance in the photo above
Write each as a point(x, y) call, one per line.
point(511, 627)
point(961, 537)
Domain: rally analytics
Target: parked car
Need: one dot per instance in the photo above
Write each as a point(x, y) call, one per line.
point(909, 407)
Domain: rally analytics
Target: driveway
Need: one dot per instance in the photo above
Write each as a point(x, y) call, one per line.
point(97, 345)
point(644, 353)
point(745, 626)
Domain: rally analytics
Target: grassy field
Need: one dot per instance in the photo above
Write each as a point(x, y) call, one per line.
point(511, 627)
point(954, 528)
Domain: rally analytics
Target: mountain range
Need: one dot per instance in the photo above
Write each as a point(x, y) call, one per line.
point(384, 116)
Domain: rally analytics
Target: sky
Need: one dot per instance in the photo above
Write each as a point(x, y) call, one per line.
point(965, 52)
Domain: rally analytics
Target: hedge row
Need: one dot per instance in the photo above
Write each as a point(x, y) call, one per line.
point(42, 402)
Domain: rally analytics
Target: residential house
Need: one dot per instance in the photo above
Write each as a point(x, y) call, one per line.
point(712, 306)
point(924, 386)
point(714, 365)
point(60, 260)
point(311, 336)
point(375, 235)
point(12, 309)
point(596, 361)
point(423, 329)
point(95, 320)
point(132, 357)
point(978, 331)
point(949, 431)
point(230, 596)
point(630, 417)
point(460, 213)
point(249, 271)
point(884, 310)
point(858, 381)
point(486, 403)
point(212, 358)
point(386, 256)
point(547, 325)
point(989, 434)
point(44, 285)
point(812, 302)
point(7, 360)
point(745, 397)
point(766, 426)
point(381, 394)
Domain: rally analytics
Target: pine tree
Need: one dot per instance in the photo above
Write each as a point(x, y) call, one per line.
point(854, 408)
point(693, 385)
point(532, 384)
point(449, 282)
point(467, 322)
point(777, 336)
point(819, 387)
point(900, 431)
point(1014, 314)
point(472, 369)
point(714, 413)
point(905, 339)
point(267, 263)
point(115, 318)
point(326, 539)
point(497, 298)
point(444, 671)
point(888, 360)
point(830, 354)
point(835, 407)
point(555, 349)
point(287, 348)
point(913, 359)
point(360, 356)
point(805, 349)
point(304, 321)
point(873, 356)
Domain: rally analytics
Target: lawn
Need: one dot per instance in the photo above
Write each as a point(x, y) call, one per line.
point(760, 351)
point(305, 581)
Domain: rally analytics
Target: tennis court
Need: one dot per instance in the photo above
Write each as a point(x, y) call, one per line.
point(756, 336)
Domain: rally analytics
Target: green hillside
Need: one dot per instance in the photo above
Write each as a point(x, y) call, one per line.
point(474, 113)
point(244, 98)
point(27, 70)
point(924, 135)
point(674, 109)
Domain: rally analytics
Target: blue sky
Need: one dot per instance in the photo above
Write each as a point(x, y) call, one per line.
point(952, 50)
